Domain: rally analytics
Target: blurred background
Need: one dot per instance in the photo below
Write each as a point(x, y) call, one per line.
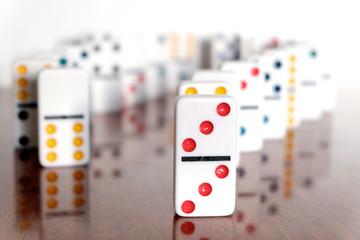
point(26, 26)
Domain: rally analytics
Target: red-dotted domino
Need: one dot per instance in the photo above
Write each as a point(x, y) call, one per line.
point(26, 73)
point(64, 116)
point(205, 155)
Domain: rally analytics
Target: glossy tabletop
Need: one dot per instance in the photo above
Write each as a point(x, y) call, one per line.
point(304, 186)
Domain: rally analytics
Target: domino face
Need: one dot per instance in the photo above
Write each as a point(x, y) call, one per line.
point(249, 87)
point(192, 87)
point(26, 73)
point(275, 95)
point(205, 155)
point(64, 113)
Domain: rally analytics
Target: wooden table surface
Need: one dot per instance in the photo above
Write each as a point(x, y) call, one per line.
point(127, 190)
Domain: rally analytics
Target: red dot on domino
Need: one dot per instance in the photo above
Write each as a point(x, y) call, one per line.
point(222, 171)
point(206, 127)
point(223, 109)
point(188, 207)
point(243, 85)
point(189, 145)
point(205, 189)
point(187, 228)
point(255, 71)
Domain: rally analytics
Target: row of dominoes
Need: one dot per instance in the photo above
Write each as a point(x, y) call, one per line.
point(52, 111)
point(271, 92)
point(130, 69)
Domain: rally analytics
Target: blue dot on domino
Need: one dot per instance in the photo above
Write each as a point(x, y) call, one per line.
point(242, 131)
point(183, 76)
point(161, 71)
point(84, 54)
point(277, 64)
point(277, 88)
point(267, 77)
point(266, 119)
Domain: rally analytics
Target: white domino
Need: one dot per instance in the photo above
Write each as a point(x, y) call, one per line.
point(26, 73)
point(205, 155)
point(193, 87)
point(275, 95)
point(64, 117)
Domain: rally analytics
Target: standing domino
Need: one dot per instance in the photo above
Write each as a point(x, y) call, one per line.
point(205, 155)
point(26, 73)
point(275, 95)
point(64, 113)
point(192, 87)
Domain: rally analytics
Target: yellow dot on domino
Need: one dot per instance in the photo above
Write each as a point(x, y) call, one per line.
point(191, 90)
point(291, 98)
point(52, 190)
point(78, 175)
point(51, 203)
point(78, 155)
point(79, 201)
point(51, 157)
point(78, 141)
point(292, 58)
point(51, 143)
point(22, 95)
point(50, 129)
point(292, 69)
point(292, 81)
point(78, 127)
point(291, 109)
point(288, 172)
point(22, 82)
point(220, 90)
point(21, 69)
point(78, 189)
point(52, 176)
point(290, 120)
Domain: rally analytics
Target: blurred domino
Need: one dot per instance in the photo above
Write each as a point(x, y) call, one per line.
point(205, 140)
point(250, 92)
point(64, 113)
point(193, 87)
point(26, 73)
point(275, 95)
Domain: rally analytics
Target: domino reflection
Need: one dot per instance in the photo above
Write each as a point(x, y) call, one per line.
point(64, 194)
point(203, 228)
point(27, 194)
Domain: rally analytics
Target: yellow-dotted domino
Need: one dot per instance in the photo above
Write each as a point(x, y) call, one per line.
point(26, 73)
point(64, 113)
point(212, 87)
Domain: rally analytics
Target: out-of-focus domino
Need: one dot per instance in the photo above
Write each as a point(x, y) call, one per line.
point(26, 73)
point(193, 87)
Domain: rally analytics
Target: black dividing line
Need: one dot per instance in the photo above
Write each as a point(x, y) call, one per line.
point(64, 117)
point(308, 83)
point(27, 105)
point(272, 98)
point(249, 107)
point(205, 159)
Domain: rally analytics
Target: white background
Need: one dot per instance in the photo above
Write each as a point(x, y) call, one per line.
point(30, 25)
